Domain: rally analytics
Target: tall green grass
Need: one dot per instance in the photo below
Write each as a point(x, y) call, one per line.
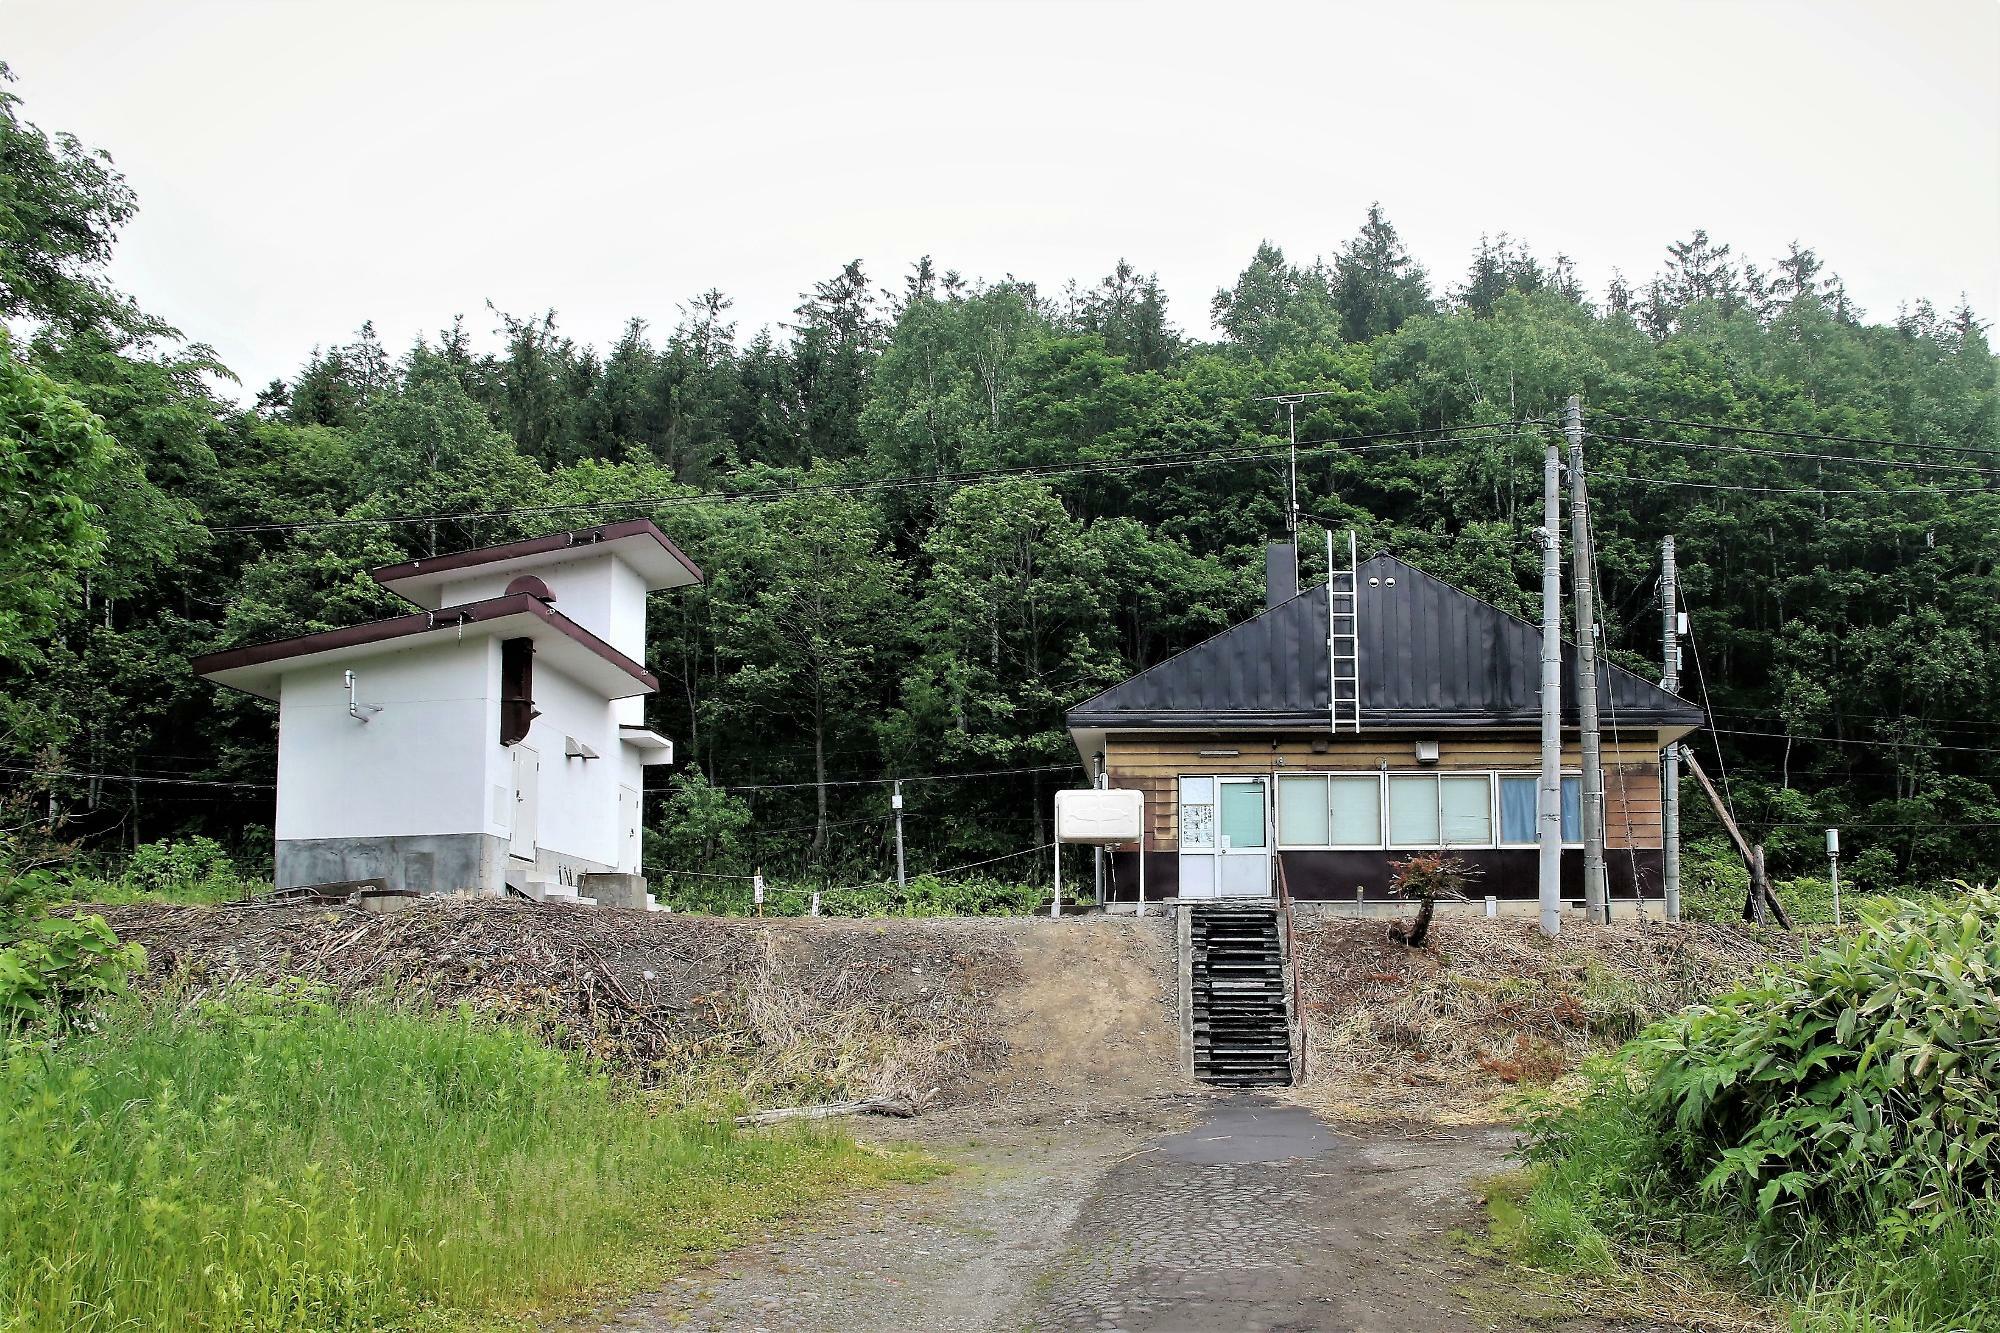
point(271, 1162)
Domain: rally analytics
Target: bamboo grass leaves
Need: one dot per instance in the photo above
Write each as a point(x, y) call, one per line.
point(1866, 1077)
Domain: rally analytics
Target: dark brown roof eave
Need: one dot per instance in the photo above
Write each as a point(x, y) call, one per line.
point(555, 541)
point(420, 622)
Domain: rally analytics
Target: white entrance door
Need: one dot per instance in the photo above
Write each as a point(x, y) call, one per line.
point(1198, 838)
point(628, 830)
point(527, 802)
point(1225, 837)
point(1244, 859)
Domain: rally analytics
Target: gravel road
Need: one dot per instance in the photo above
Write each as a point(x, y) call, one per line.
point(1203, 1212)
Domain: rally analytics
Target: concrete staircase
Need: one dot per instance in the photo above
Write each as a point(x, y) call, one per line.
point(1239, 990)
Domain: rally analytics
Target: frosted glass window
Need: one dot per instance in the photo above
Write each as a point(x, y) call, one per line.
point(1302, 811)
point(1356, 804)
point(1465, 810)
point(1572, 804)
point(1413, 811)
point(1520, 795)
point(1197, 812)
point(1243, 813)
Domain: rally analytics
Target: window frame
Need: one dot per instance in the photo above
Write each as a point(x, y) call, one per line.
point(1324, 777)
point(1382, 843)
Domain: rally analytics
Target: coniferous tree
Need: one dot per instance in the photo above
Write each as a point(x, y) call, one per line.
point(1376, 285)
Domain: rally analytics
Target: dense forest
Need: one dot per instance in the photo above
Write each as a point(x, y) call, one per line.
point(936, 511)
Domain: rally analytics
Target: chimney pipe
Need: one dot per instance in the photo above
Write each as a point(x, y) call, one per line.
point(1281, 573)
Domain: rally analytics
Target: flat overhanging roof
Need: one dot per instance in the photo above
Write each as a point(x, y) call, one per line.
point(567, 646)
point(638, 542)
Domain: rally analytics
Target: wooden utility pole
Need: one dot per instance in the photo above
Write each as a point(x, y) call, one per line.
point(1753, 857)
point(1595, 889)
point(1548, 810)
point(1670, 763)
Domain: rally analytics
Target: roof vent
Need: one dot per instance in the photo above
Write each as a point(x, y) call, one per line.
point(532, 586)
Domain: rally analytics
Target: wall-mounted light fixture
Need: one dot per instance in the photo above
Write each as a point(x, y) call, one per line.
point(354, 705)
point(1218, 754)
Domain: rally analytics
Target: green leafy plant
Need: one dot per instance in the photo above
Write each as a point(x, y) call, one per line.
point(53, 966)
point(1829, 1130)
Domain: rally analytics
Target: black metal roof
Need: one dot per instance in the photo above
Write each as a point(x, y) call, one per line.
point(1431, 656)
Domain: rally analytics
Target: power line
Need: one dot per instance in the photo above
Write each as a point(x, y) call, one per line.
point(1856, 740)
point(1803, 435)
point(1598, 475)
point(1345, 444)
point(1905, 824)
point(920, 777)
point(1795, 455)
point(137, 777)
point(1945, 723)
point(1701, 679)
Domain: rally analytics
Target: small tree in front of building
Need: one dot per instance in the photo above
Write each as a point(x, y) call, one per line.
point(1425, 878)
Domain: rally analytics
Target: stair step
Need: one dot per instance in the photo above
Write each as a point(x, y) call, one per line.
point(1240, 1009)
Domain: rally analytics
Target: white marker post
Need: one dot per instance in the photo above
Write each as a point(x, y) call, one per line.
point(1833, 865)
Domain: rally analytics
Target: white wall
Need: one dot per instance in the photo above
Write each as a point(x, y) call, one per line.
point(417, 767)
point(599, 592)
point(579, 797)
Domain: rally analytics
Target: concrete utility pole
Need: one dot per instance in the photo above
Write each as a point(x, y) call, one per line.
point(1595, 890)
point(1548, 811)
point(1101, 781)
point(902, 884)
point(1670, 758)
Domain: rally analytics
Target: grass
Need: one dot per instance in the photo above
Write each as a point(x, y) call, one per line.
point(267, 1161)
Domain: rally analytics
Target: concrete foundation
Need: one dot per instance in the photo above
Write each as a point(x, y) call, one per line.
point(434, 863)
point(614, 889)
point(1622, 909)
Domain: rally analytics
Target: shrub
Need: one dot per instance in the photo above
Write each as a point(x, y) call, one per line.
point(926, 895)
point(1829, 1125)
point(194, 870)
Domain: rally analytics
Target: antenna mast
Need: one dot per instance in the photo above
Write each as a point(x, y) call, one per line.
point(1291, 402)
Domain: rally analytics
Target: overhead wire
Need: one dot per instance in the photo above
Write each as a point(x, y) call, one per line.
point(863, 485)
point(1803, 455)
point(1800, 434)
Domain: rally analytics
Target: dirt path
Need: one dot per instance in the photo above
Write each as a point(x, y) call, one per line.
point(1203, 1213)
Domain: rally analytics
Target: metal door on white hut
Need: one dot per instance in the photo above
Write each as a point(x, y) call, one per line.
point(1225, 837)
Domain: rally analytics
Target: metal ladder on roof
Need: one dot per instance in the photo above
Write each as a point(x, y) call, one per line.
point(1343, 643)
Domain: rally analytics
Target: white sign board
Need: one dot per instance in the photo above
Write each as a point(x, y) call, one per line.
point(1099, 816)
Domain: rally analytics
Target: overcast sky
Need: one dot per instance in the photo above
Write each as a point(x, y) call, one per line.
point(304, 166)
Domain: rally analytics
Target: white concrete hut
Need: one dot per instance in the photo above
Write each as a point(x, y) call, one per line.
point(494, 738)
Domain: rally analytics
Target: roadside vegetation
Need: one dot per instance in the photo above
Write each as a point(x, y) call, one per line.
point(264, 1158)
point(1823, 1138)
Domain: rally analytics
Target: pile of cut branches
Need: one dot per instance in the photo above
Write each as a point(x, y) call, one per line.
point(768, 1011)
point(1453, 1030)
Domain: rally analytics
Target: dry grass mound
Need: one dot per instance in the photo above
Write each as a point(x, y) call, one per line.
point(767, 1011)
point(1454, 1031)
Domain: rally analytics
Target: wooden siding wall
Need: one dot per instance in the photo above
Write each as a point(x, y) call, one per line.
point(1153, 762)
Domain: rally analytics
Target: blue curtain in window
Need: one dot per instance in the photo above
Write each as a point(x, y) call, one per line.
point(1572, 809)
point(1517, 809)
